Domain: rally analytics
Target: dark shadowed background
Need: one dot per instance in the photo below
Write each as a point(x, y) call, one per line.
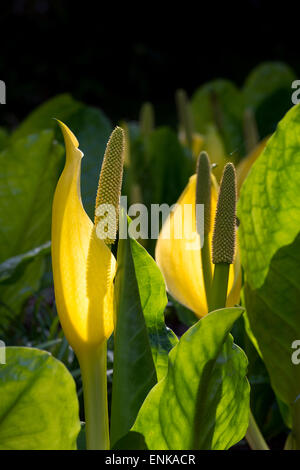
point(116, 56)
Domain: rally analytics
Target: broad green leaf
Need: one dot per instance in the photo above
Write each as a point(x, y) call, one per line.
point(220, 103)
point(273, 312)
point(268, 92)
point(13, 268)
point(153, 297)
point(30, 169)
point(60, 107)
point(146, 304)
point(134, 370)
point(269, 205)
point(203, 402)
point(38, 406)
point(269, 210)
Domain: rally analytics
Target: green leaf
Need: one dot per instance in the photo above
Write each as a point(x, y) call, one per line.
point(268, 208)
point(268, 91)
point(153, 297)
point(13, 268)
point(30, 168)
point(60, 107)
point(269, 211)
point(203, 402)
point(273, 312)
point(220, 103)
point(29, 171)
point(140, 332)
point(38, 406)
point(134, 370)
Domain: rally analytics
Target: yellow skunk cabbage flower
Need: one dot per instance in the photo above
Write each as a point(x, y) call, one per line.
point(83, 266)
point(83, 271)
point(179, 258)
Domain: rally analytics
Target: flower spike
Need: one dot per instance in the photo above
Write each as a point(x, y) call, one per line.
point(223, 244)
point(110, 183)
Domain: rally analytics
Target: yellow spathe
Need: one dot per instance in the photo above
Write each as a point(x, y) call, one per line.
point(83, 266)
point(181, 264)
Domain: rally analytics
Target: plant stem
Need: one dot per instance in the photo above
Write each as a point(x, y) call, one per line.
point(219, 287)
point(254, 437)
point(93, 371)
point(206, 268)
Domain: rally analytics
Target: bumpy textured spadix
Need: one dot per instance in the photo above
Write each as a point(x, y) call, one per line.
point(110, 181)
point(83, 266)
point(181, 264)
point(203, 188)
point(223, 243)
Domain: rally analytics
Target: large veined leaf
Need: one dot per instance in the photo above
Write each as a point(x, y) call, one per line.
point(269, 211)
point(273, 312)
point(142, 341)
point(29, 171)
point(269, 204)
point(134, 370)
point(38, 405)
point(152, 291)
point(220, 103)
point(268, 91)
point(203, 402)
